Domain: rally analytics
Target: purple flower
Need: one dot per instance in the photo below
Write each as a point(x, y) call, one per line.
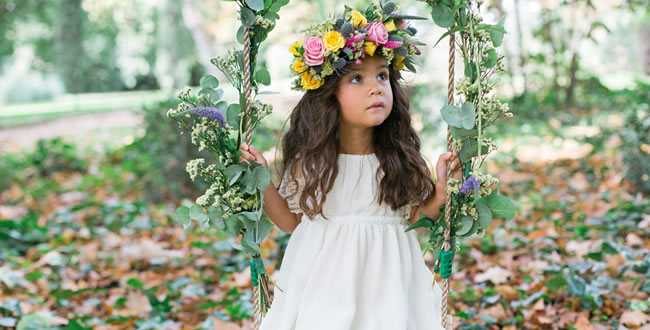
point(470, 184)
point(210, 113)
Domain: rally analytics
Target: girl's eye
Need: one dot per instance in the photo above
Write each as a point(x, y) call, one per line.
point(357, 78)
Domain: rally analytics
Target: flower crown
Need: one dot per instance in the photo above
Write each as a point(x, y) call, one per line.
point(329, 45)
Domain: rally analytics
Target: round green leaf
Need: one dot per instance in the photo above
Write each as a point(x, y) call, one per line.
point(466, 223)
point(501, 206)
point(209, 81)
point(461, 118)
point(263, 177)
point(256, 5)
point(484, 214)
point(240, 34)
point(196, 213)
point(262, 76)
point(247, 17)
point(182, 215)
point(216, 217)
point(442, 15)
point(232, 115)
point(215, 94)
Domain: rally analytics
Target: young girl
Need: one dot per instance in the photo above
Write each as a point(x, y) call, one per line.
point(353, 180)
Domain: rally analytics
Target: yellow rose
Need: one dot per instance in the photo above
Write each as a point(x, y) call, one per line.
point(390, 26)
point(293, 48)
point(370, 47)
point(333, 40)
point(358, 19)
point(399, 62)
point(298, 66)
point(309, 82)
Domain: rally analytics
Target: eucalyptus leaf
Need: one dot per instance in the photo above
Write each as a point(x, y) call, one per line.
point(501, 206)
point(196, 213)
point(247, 17)
point(209, 81)
point(233, 172)
point(484, 214)
point(249, 241)
point(262, 177)
point(466, 223)
point(182, 215)
point(256, 5)
point(265, 227)
point(233, 225)
point(215, 94)
point(262, 76)
point(240, 34)
point(216, 217)
point(470, 149)
point(442, 15)
point(463, 117)
point(232, 116)
point(249, 182)
point(252, 216)
point(461, 133)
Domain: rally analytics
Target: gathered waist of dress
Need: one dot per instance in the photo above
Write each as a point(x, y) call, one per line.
point(359, 219)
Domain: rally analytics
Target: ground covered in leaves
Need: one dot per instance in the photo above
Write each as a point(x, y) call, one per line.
point(80, 247)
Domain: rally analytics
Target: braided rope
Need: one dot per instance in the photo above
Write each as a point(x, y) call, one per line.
point(247, 84)
point(446, 320)
point(247, 92)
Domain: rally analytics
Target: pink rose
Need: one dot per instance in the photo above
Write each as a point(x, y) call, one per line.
point(392, 44)
point(377, 33)
point(314, 50)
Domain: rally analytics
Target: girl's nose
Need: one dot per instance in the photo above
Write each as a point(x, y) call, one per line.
point(376, 90)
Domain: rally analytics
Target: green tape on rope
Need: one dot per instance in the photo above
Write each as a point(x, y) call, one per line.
point(253, 273)
point(446, 258)
point(468, 167)
point(259, 265)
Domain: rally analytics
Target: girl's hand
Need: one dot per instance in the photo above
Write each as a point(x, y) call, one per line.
point(441, 171)
point(252, 154)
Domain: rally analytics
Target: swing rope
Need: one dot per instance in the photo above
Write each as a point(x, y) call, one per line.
point(447, 253)
point(257, 309)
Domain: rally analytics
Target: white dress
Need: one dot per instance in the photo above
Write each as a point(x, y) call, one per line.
point(357, 270)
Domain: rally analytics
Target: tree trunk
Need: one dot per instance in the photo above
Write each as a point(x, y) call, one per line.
point(69, 44)
point(204, 46)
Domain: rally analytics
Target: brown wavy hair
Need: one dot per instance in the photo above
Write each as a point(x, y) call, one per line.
point(311, 146)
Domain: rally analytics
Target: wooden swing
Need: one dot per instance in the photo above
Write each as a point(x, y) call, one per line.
point(446, 318)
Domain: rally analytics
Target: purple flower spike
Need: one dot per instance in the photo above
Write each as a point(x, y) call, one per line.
point(210, 113)
point(470, 184)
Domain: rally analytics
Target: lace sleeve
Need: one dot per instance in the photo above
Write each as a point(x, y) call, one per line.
point(291, 192)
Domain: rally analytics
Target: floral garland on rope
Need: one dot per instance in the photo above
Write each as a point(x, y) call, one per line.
point(474, 201)
point(233, 203)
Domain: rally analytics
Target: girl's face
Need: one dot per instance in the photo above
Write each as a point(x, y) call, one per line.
point(365, 94)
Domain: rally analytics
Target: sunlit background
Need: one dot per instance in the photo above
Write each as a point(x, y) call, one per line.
point(91, 169)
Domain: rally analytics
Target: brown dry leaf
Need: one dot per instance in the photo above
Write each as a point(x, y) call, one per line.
point(496, 312)
point(633, 239)
point(223, 325)
point(137, 304)
point(496, 275)
point(634, 319)
point(583, 323)
point(580, 248)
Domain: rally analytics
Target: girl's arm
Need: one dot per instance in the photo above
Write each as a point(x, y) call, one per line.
point(275, 206)
point(431, 207)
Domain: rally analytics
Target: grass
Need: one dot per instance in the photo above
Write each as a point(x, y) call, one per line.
point(75, 104)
